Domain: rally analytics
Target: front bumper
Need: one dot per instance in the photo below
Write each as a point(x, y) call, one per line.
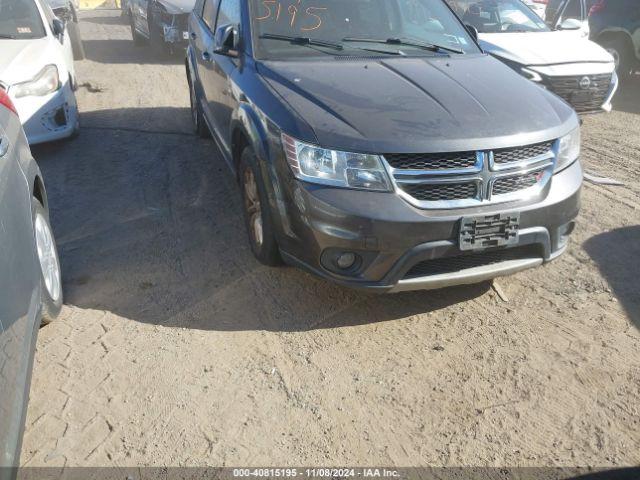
point(49, 117)
point(392, 237)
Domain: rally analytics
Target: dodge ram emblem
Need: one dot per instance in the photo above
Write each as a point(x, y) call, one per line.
point(585, 82)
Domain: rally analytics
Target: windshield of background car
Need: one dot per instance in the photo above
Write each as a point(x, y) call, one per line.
point(20, 19)
point(498, 16)
point(418, 21)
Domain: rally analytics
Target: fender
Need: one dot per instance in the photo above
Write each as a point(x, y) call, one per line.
point(634, 40)
point(248, 121)
point(251, 123)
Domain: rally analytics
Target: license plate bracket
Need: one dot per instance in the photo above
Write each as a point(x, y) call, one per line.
point(582, 96)
point(486, 231)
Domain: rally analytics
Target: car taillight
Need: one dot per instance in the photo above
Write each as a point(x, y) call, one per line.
point(541, 1)
point(6, 102)
point(597, 7)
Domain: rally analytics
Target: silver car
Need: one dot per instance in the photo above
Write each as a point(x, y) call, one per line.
point(30, 283)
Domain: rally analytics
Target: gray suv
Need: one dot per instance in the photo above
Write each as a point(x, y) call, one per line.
point(30, 285)
point(376, 145)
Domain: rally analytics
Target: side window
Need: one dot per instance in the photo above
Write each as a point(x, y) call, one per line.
point(209, 13)
point(229, 12)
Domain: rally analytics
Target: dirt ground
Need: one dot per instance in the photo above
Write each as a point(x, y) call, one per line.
point(176, 348)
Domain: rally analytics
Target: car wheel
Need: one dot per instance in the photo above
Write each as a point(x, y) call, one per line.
point(76, 41)
point(199, 124)
point(156, 39)
point(137, 38)
point(257, 213)
point(48, 259)
point(622, 52)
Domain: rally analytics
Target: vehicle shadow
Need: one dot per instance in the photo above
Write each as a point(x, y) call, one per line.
point(105, 20)
point(149, 227)
point(627, 98)
point(119, 51)
point(617, 254)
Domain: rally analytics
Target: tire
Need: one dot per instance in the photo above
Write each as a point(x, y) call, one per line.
point(76, 41)
point(197, 117)
point(138, 39)
point(622, 52)
point(257, 212)
point(47, 254)
point(156, 39)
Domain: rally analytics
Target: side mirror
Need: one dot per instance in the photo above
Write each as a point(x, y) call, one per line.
point(226, 40)
point(570, 24)
point(58, 27)
point(473, 31)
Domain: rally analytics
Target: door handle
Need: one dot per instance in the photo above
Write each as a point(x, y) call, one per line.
point(206, 56)
point(4, 145)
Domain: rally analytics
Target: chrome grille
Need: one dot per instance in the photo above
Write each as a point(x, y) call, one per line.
point(505, 185)
point(432, 161)
point(465, 179)
point(583, 100)
point(433, 192)
point(509, 155)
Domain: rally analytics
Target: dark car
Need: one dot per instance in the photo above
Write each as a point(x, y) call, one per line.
point(30, 284)
point(162, 23)
point(615, 24)
point(377, 146)
point(67, 11)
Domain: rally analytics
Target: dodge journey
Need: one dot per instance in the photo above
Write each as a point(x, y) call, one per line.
point(376, 145)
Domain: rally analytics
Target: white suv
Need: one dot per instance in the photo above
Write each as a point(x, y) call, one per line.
point(561, 59)
point(36, 69)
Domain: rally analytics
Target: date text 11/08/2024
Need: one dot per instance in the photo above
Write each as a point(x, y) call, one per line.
point(316, 472)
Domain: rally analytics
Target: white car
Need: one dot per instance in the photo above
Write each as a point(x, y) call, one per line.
point(562, 60)
point(37, 71)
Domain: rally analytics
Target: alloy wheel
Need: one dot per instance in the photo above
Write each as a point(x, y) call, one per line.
point(48, 257)
point(253, 207)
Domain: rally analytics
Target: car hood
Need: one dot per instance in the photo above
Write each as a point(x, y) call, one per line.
point(175, 7)
point(543, 48)
point(418, 104)
point(21, 60)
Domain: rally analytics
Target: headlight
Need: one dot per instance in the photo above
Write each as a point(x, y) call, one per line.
point(531, 74)
point(568, 150)
point(339, 169)
point(45, 82)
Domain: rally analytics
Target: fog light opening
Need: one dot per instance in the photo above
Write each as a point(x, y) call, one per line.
point(346, 260)
point(564, 234)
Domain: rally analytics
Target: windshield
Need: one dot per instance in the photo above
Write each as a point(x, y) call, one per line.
point(498, 16)
point(343, 22)
point(20, 19)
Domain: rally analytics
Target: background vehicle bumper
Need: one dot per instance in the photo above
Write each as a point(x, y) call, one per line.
point(390, 236)
point(50, 117)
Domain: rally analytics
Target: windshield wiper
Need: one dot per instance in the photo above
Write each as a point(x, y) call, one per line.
point(3, 35)
point(398, 41)
point(302, 40)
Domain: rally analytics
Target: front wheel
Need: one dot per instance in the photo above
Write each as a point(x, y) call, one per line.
point(137, 38)
point(156, 39)
point(200, 127)
point(76, 41)
point(51, 278)
point(622, 52)
point(257, 213)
